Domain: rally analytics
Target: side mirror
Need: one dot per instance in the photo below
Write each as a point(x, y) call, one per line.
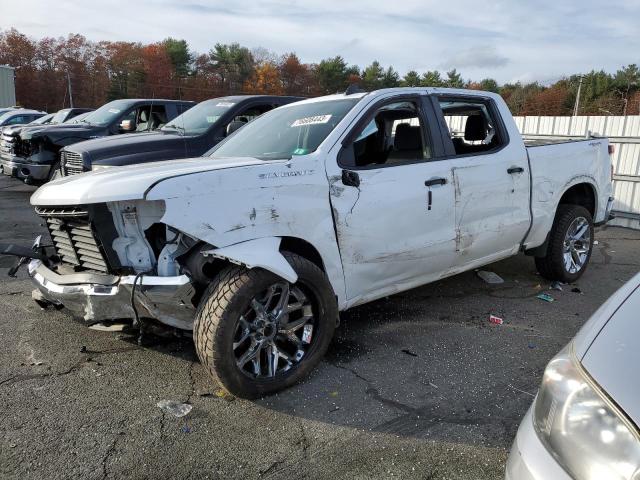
point(127, 126)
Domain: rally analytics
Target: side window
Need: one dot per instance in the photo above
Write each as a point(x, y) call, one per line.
point(18, 119)
point(245, 116)
point(394, 135)
point(472, 125)
point(148, 117)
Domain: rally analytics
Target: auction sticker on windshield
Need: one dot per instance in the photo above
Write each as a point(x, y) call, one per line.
point(311, 120)
point(225, 104)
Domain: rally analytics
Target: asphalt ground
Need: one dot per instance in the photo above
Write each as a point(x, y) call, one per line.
point(418, 385)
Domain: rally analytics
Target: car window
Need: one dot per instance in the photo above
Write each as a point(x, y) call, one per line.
point(472, 125)
point(394, 135)
point(200, 118)
point(296, 129)
point(18, 119)
point(245, 116)
point(108, 113)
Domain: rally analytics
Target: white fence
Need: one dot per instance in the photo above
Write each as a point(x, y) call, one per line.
point(623, 132)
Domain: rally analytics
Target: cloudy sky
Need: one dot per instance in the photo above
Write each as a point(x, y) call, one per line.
point(508, 40)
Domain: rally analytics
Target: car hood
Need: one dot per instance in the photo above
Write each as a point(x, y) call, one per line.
point(126, 183)
point(108, 147)
point(55, 132)
point(613, 357)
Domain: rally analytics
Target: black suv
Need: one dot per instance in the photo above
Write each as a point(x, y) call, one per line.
point(32, 154)
point(189, 135)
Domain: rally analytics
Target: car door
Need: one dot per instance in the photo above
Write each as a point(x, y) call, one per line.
point(392, 201)
point(491, 179)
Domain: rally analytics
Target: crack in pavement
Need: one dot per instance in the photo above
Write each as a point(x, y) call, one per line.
point(106, 457)
point(22, 378)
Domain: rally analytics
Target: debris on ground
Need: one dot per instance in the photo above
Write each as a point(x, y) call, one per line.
point(83, 349)
point(556, 286)
point(495, 320)
point(595, 242)
point(546, 297)
point(576, 290)
point(490, 277)
point(108, 327)
point(409, 352)
point(531, 345)
point(177, 409)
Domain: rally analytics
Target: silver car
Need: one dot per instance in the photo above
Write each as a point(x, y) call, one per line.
point(583, 423)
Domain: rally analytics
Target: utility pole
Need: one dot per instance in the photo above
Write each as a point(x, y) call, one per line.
point(69, 88)
point(577, 105)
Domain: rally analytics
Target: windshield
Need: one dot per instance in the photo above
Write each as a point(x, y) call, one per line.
point(200, 118)
point(78, 118)
point(43, 120)
point(6, 116)
point(60, 116)
point(288, 131)
point(108, 113)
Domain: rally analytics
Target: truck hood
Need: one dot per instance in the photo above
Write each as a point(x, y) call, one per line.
point(133, 143)
point(126, 183)
point(54, 133)
point(612, 358)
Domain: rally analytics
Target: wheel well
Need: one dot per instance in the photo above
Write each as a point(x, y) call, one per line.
point(302, 248)
point(582, 194)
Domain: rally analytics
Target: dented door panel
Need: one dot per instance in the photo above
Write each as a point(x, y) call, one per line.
point(388, 237)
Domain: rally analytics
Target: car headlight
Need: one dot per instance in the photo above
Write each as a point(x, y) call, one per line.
point(100, 167)
point(581, 428)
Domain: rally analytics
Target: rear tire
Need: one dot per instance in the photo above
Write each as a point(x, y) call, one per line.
point(570, 245)
point(250, 349)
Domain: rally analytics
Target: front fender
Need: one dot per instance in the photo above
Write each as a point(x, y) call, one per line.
point(261, 252)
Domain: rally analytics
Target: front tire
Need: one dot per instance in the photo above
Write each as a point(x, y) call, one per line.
point(570, 245)
point(257, 334)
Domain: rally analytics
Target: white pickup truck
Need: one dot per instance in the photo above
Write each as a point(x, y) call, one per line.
point(311, 209)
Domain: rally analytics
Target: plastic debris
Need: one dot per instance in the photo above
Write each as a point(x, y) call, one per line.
point(576, 290)
point(108, 327)
point(409, 352)
point(556, 286)
point(546, 297)
point(176, 409)
point(495, 320)
point(595, 242)
point(490, 277)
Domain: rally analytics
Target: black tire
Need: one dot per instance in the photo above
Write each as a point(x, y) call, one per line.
point(231, 294)
point(552, 265)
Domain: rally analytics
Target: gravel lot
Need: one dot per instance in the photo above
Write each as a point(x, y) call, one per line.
point(419, 385)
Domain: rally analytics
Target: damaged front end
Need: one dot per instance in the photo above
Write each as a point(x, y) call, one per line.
point(30, 160)
point(118, 261)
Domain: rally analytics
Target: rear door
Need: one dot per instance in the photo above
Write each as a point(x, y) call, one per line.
point(392, 200)
point(491, 179)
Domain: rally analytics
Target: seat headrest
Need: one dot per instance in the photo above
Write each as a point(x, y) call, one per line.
point(475, 128)
point(407, 137)
point(235, 125)
point(143, 116)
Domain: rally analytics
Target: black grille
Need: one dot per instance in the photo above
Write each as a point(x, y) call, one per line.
point(71, 163)
point(73, 237)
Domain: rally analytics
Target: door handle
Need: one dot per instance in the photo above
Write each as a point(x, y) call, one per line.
point(513, 170)
point(435, 181)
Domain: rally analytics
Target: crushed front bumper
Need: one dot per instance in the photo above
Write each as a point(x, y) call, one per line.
point(21, 168)
point(98, 297)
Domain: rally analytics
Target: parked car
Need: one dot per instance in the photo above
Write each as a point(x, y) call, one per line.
point(67, 114)
point(188, 135)
point(311, 209)
point(32, 154)
point(20, 116)
point(583, 423)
